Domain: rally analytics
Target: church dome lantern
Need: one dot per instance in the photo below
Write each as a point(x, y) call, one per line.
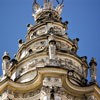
point(47, 66)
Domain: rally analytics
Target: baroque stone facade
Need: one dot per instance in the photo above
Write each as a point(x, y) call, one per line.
point(47, 66)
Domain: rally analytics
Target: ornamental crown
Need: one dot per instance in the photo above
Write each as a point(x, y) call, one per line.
point(47, 11)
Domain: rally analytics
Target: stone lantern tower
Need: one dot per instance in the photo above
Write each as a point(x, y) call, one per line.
point(46, 66)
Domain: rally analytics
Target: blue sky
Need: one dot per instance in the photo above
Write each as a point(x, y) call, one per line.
point(84, 23)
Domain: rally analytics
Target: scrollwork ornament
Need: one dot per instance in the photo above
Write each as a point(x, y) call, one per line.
point(92, 98)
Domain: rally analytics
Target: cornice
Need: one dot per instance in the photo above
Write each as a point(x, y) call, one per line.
point(22, 61)
point(38, 25)
point(43, 37)
point(47, 71)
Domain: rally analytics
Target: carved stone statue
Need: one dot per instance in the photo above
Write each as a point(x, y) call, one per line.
point(52, 47)
point(47, 4)
point(5, 63)
point(93, 70)
point(59, 8)
point(75, 41)
point(36, 6)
